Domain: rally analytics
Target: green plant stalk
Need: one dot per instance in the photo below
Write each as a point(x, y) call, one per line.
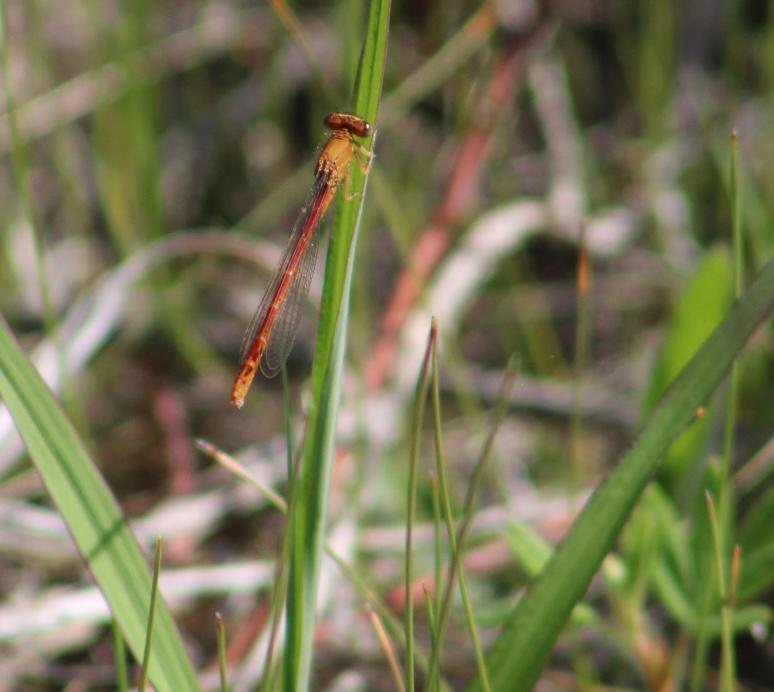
point(307, 522)
point(288, 421)
point(437, 540)
point(278, 595)
point(280, 591)
point(119, 656)
point(581, 360)
point(420, 400)
point(501, 408)
point(725, 485)
point(368, 594)
point(736, 201)
point(444, 498)
point(656, 62)
point(724, 500)
point(146, 654)
point(220, 628)
point(432, 621)
point(457, 538)
point(233, 466)
point(520, 652)
point(699, 658)
point(396, 628)
point(387, 648)
point(727, 660)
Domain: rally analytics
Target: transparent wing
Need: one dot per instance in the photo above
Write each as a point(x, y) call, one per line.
point(301, 251)
point(284, 332)
point(263, 307)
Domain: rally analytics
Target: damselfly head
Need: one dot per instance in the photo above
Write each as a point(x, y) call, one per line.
point(354, 124)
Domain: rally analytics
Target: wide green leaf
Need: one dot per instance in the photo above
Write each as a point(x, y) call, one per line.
point(701, 307)
point(92, 515)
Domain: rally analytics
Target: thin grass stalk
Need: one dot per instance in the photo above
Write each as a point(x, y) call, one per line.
point(699, 658)
point(725, 501)
point(444, 501)
point(420, 399)
point(458, 539)
point(725, 485)
point(395, 627)
point(220, 628)
point(279, 593)
point(119, 656)
point(582, 347)
point(437, 537)
point(281, 582)
point(143, 681)
point(729, 604)
point(736, 201)
point(432, 628)
point(276, 608)
point(387, 648)
point(432, 618)
point(369, 595)
point(288, 419)
point(233, 466)
point(579, 369)
point(727, 662)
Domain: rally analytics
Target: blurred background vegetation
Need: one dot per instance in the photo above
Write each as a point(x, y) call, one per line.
point(153, 156)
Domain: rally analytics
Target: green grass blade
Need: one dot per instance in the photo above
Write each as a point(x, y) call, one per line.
point(518, 655)
point(119, 656)
point(701, 307)
point(93, 517)
point(420, 399)
point(146, 654)
point(220, 627)
point(308, 521)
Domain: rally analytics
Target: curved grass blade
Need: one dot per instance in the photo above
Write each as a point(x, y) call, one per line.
point(99, 529)
point(520, 652)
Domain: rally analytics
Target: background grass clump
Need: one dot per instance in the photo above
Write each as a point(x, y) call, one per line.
point(556, 183)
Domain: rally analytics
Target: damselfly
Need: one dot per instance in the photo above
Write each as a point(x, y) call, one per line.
point(270, 334)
